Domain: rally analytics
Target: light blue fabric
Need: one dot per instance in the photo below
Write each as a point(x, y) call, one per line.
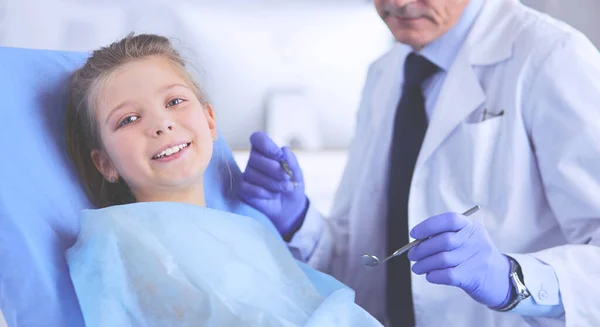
point(176, 264)
point(40, 196)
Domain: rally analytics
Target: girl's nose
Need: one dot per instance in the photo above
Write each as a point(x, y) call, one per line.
point(162, 127)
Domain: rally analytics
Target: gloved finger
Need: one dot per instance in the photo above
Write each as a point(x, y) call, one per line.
point(256, 177)
point(292, 161)
point(248, 191)
point(267, 166)
point(446, 222)
point(441, 260)
point(262, 143)
point(443, 242)
point(448, 276)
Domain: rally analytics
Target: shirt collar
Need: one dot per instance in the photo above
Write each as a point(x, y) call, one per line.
point(443, 50)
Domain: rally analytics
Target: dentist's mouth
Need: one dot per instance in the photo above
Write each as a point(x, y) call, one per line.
point(171, 151)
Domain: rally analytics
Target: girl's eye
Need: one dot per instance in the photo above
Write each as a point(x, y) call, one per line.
point(128, 120)
point(174, 102)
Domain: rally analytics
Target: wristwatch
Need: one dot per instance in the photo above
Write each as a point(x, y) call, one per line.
point(518, 284)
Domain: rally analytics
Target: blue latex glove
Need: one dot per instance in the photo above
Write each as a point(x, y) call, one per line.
point(461, 253)
point(267, 187)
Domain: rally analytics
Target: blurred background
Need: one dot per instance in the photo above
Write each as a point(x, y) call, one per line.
point(292, 68)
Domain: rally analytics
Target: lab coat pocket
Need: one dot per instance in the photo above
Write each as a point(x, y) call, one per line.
point(483, 115)
point(481, 143)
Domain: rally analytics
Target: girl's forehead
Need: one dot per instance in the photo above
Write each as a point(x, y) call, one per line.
point(147, 71)
point(144, 75)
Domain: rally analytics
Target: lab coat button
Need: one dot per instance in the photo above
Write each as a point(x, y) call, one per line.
point(542, 295)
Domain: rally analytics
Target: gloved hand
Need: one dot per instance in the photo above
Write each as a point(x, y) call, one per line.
point(267, 187)
point(461, 253)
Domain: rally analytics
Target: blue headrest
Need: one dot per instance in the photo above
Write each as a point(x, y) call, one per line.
point(40, 195)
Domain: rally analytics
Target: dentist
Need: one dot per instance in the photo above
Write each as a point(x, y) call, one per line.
point(482, 102)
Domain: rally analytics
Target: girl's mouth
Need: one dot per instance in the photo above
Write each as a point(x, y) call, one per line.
point(171, 152)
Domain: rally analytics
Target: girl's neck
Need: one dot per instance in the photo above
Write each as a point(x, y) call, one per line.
point(193, 195)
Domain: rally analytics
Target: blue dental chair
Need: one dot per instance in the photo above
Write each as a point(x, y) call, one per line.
point(40, 195)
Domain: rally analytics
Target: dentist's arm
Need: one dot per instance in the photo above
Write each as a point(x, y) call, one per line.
point(267, 187)
point(458, 251)
point(311, 238)
point(322, 242)
point(271, 190)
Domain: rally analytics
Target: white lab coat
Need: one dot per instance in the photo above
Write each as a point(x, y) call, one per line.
point(535, 171)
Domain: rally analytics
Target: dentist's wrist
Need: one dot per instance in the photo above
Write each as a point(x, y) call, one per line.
point(510, 295)
point(297, 223)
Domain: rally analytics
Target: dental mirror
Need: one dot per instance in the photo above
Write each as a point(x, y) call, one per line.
point(370, 260)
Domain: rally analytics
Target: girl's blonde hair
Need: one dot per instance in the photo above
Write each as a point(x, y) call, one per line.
point(81, 123)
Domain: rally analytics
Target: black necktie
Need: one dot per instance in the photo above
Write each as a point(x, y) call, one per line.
point(410, 125)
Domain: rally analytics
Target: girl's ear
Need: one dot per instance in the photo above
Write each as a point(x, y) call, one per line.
point(104, 165)
point(210, 118)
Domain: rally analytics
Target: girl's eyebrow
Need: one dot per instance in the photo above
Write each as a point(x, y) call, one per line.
point(171, 86)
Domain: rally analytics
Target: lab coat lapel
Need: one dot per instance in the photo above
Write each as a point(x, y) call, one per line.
point(387, 87)
point(488, 43)
point(383, 102)
point(460, 95)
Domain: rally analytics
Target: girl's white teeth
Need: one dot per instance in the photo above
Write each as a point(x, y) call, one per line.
point(171, 150)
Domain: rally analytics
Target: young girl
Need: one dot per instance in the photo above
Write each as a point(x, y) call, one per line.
point(141, 134)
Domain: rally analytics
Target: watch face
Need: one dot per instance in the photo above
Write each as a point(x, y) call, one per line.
point(519, 286)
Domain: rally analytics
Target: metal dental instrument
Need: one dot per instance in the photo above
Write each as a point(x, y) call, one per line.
point(288, 171)
point(286, 168)
point(371, 260)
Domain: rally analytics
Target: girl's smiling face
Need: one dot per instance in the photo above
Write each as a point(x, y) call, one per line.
point(156, 134)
